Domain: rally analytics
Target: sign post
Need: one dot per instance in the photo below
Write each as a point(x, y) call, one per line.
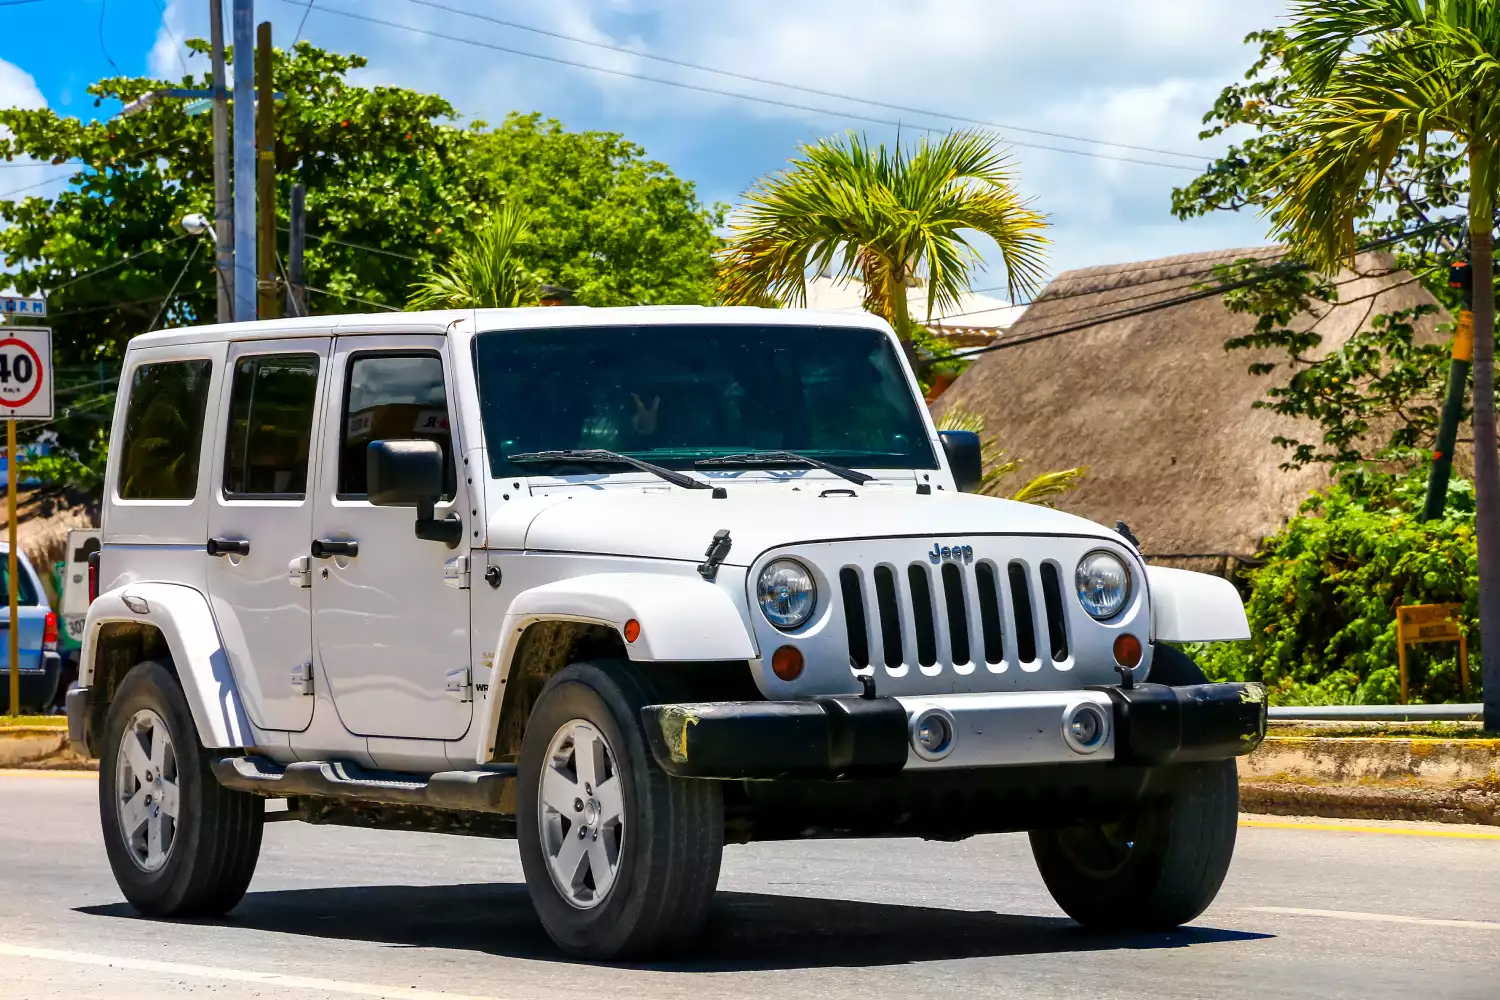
point(1431, 623)
point(25, 394)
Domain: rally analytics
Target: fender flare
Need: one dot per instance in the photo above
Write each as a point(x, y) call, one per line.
point(1194, 607)
point(183, 617)
point(681, 620)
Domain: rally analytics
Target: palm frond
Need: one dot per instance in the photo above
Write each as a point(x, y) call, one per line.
point(488, 273)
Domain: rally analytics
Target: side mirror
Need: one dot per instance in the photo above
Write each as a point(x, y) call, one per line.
point(963, 450)
point(404, 473)
point(409, 473)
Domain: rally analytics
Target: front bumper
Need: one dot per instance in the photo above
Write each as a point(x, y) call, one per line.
point(77, 701)
point(852, 737)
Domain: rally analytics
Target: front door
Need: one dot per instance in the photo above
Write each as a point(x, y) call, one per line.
point(391, 636)
point(260, 520)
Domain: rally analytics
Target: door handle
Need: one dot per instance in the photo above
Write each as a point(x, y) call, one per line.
point(324, 548)
point(228, 546)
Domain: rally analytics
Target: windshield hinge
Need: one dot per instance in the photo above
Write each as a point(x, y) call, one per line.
point(456, 573)
point(715, 554)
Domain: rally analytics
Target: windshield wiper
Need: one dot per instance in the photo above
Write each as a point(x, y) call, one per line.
point(774, 458)
point(586, 455)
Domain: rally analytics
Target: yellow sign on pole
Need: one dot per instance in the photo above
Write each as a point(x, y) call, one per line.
point(1431, 623)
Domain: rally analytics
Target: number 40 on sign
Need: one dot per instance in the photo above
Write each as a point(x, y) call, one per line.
point(25, 373)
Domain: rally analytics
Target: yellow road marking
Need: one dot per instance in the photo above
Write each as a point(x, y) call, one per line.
point(1377, 918)
point(19, 772)
point(223, 975)
point(1393, 830)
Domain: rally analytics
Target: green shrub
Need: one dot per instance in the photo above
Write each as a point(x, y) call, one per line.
point(1322, 606)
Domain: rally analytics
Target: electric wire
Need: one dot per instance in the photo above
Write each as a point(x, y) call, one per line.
point(792, 86)
point(813, 109)
point(176, 44)
point(173, 293)
point(303, 23)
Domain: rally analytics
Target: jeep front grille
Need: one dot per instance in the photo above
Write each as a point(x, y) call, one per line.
point(954, 615)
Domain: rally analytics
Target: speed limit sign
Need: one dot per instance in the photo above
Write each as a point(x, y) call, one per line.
point(25, 373)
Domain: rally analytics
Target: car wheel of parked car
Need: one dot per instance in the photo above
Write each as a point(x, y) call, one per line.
point(621, 859)
point(1161, 865)
point(179, 843)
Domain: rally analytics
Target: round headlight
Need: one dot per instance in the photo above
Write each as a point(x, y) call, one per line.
point(787, 593)
point(1103, 584)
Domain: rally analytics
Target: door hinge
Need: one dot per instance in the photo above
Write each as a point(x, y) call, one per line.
point(299, 572)
point(459, 685)
point(302, 678)
point(456, 573)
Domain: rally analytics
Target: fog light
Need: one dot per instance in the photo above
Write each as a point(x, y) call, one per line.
point(1085, 727)
point(787, 663)
point(933, 734)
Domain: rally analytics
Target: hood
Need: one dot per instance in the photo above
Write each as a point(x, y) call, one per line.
point(679, 524)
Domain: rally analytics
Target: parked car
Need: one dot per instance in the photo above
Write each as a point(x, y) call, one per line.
point(40, 663)
point(625, 585)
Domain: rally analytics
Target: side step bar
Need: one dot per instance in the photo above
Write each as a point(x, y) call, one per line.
point(489, 791)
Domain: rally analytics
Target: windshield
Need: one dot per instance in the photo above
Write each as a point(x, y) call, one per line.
point(675, 394)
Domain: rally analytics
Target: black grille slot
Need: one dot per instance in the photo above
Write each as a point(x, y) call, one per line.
point(854, 617)
point(958, 615)
point(1020, 600)
point(890, 617)
point(921, 605)
point(1057, 626)
point(989, 612)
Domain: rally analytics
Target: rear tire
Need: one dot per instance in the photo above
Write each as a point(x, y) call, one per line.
point(179, 843)
point(639, 878)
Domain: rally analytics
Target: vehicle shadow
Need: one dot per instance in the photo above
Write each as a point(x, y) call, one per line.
point(746, 931)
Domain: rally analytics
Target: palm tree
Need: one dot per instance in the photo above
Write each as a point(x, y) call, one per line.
point(885, 218)
point(490, 273)
point(997, 467)
point(1375, 76)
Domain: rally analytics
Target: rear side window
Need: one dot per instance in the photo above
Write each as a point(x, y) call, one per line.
point(270, 426)
point(390, 397)
point(25, 590)
point(163, 431)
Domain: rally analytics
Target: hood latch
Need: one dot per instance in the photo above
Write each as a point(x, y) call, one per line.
point(715, 554)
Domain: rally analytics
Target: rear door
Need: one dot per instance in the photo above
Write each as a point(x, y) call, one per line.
point(260, 522)
point(31, 610)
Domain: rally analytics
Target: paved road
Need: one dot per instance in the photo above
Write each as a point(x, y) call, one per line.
point(337, 913)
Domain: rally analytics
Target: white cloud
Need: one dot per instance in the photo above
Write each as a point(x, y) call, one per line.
point(1130, 71)
point(167, 57)
point(18, 89)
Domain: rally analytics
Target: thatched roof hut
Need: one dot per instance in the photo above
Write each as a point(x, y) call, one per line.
point(1155, 407)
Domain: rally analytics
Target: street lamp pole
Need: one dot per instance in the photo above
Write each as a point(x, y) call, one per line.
point(245, 288)
point(223, 208)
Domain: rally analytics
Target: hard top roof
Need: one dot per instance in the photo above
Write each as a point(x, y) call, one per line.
point(438, 322)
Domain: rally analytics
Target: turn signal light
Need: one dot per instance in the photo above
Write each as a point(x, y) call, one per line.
point(1127, 650)
point(786, 663)
point(632, 630)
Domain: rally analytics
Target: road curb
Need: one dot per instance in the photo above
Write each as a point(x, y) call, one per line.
point(40, 748)
point(1430, 780)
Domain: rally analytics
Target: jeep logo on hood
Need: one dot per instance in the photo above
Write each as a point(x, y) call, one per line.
point(951, 553)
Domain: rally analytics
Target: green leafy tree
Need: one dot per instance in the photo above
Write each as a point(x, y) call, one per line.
point(885, 218)
point(488, 274)
point(608, 224)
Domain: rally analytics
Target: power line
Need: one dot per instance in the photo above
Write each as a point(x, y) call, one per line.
point(173, 293)
point(122, 261)
point(104, 6)
point(1286, 267)
point(813, 109)
point(51, 180)
point(356, 246)
point(352, 298)
point(303, 23)
point(789, 86)
point(176, 45)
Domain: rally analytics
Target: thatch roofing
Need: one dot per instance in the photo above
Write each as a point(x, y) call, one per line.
point(1155, 407)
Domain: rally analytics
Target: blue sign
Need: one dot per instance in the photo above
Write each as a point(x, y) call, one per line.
point(14, 305)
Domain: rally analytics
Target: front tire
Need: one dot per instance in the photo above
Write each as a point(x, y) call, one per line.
point(1158, 867)
point(621, 859)
point(179, 843)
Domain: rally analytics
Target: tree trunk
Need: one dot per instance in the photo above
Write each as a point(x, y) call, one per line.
point(1486, 458)
point(901, 315)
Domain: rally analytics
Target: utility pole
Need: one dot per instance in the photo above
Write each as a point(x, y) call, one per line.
point(265, 154)
point(244, 160)
point(1460, 276)
point(223, 209)
point(296, 279)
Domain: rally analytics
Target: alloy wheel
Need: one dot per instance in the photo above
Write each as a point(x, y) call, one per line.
point(581, 813)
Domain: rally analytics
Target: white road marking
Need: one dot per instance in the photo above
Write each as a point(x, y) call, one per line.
point(1377, 918)
point(231, 975)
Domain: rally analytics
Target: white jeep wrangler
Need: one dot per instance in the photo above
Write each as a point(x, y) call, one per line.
point(624, 584)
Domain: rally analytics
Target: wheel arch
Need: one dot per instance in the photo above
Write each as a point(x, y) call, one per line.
point(681, 621)
point(172, 624)
point(1194, 607)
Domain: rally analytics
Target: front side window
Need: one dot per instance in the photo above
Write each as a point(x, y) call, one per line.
point(163, 433)
point(389, 397)
point(270, 426)
point(675, 394)
point(25, 589)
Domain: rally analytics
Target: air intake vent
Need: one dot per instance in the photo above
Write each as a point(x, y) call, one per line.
point(921, 603)
point(1057, 625)
point(854, 617)
point(1020, 599)
point(958, 615)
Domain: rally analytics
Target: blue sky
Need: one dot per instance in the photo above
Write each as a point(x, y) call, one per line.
point(1139, 72)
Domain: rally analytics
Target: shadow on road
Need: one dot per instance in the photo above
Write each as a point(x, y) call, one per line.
point(747, 931)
